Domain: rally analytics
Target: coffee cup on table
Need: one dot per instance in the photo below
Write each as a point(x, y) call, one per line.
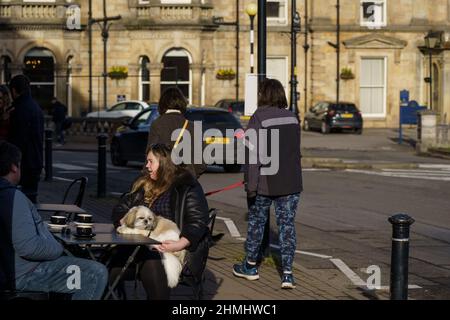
point(84, 231)
point(58, 220)
point(84, 218)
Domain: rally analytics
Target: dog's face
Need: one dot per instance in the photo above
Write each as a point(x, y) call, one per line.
point(141, 218)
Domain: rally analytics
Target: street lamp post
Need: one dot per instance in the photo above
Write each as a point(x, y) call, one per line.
point(262, 40)
point(431, 40)
point(252, 10)
point(295, 28)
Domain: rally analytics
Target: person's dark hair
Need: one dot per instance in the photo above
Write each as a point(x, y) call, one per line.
point(9, 155)
point(4, 90)
point(272, 94)
point(173, 99)
point(20, 83)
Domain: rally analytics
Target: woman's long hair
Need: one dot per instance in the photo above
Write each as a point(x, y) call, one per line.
point(166, 174)
point(272, 94)
point(6, 101)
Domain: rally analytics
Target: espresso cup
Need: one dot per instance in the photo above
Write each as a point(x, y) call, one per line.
point(84, 218)
point(59, 220)
point(84, 231)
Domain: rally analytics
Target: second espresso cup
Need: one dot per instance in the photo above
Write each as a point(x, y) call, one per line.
point(84, 231)
point(84, 218)
point(59, 220)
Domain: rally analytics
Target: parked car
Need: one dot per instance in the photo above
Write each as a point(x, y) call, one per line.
point(130, 141)
point(328, 116)
point(125, 109)
point(237, 108)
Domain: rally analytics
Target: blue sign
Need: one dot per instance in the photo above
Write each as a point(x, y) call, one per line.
point(404, 97)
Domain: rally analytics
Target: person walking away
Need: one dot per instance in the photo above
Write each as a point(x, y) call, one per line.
point(59, 112)
point(27, 133)
point(172, 107)
point(30, 257)
point(279, 182)
point(5, 110)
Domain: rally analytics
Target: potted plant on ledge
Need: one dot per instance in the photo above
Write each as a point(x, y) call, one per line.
point(226, 74)
point(118, 72)
point(347, 74)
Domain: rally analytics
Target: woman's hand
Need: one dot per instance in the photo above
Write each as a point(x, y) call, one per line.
point(172, 246)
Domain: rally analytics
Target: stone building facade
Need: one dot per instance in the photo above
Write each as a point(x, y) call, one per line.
point(187, 42)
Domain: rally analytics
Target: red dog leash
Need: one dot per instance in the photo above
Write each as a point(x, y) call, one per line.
point(233, 186)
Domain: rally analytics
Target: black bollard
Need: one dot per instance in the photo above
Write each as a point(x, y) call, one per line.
point(48, 155)
point(101, 182)
point(401, 224)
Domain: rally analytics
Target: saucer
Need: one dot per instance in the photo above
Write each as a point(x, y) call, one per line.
point(87, 224)
point(57, 226)
point(84, 237)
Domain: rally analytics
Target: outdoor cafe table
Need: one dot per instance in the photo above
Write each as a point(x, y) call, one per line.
point(106, 236)
point(57, 207)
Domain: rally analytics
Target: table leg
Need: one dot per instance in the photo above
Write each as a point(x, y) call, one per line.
point(125, 267)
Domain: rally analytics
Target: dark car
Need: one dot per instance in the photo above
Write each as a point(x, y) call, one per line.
point(237, 108)
point(328, 116)
point(130, 141)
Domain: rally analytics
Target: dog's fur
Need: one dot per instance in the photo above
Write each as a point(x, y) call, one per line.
point(141, 220)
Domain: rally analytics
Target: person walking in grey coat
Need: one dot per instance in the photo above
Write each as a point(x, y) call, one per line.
point(278, 182)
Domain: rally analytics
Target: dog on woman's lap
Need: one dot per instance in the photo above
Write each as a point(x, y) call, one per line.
point(141, 220)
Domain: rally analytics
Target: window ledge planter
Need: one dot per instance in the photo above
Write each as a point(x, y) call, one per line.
point(347, 74)
point(226, 74)
point(118, 73)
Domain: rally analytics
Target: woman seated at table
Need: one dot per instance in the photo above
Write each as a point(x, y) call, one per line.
point(168, 190)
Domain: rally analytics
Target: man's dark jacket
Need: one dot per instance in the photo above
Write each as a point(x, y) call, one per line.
point(27, 131)
point(59, 112)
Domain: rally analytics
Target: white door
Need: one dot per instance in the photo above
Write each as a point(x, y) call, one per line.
point(373, 87)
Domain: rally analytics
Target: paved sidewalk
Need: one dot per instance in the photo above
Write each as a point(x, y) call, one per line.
point(220, 284)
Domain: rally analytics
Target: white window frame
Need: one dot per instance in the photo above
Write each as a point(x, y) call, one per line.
point(142, 83)
point(279, 20)
point(189, 83)
point(372, 24)
point(375, 115)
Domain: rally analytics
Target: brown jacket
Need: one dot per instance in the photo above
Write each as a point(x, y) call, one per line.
point(161, 132)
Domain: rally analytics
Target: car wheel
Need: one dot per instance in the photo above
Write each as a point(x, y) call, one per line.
point(325, 128)
point(232, 168)
point(359, 130)
point(116, 158)
point(306, 125)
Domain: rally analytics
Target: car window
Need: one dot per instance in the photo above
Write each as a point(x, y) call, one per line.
point(348, 107)
point(238, 107)
point(153, 116)
point(141, 119)
point(133, 106)
point(212, 118)
point(316, 107)
point(119, 107)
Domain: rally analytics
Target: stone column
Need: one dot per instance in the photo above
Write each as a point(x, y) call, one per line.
point(155, 81)
point(427, 131)
point(196, 83)
point(446, 83)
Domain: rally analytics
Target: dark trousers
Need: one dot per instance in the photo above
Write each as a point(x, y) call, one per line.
point(148, 268)
point(29, 182)
point(59, 132)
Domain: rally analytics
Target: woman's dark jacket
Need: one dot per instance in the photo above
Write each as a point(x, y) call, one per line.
point(188, 203)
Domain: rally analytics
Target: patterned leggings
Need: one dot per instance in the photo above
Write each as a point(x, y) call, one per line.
point(285, 210)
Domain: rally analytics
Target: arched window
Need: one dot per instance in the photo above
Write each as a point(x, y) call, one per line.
point(6, 69)
point(144, 78)
point(176, 72)
point(40, 69)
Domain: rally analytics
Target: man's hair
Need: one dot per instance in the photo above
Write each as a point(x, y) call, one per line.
point(20, 83)
point(272, 94)
point(172, 99)
point(9, 155)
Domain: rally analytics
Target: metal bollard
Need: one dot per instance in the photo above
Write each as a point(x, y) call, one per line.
point(401, 224)
point(48, 155)
point(101, 182)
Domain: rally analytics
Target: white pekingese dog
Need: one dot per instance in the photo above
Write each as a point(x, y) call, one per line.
point(141, 220)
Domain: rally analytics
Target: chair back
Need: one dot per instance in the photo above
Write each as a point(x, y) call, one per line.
point(79, 195)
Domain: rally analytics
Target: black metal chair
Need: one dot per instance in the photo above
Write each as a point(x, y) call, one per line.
point(189, 279)
point(78, 201)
